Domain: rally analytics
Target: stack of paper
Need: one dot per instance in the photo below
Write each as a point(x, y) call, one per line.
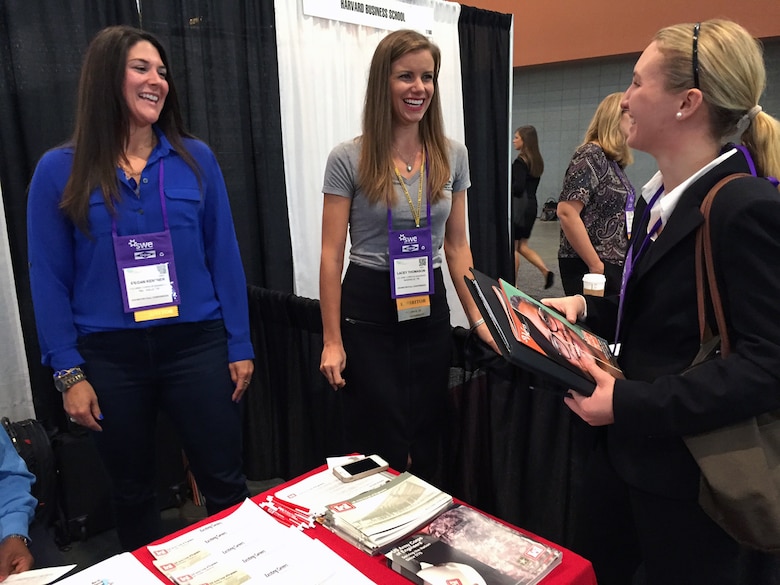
point(249, 546)
point(375, 519)
point(315, 492)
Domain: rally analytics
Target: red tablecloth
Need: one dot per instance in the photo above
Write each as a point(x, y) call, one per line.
point(573, 570)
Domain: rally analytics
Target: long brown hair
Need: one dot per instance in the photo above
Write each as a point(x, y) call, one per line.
point(375, 169)
point(530, 152)
point(103, 121)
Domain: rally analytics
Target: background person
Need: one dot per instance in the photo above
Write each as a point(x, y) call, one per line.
point(693, 87)
point(164, 325)
point(17, 508)
point(592, 205)
point(527, 169)
point(401, 177)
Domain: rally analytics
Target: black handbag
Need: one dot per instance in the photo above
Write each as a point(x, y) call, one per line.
point(549, 210)
point(519, 205)
point(739, 463)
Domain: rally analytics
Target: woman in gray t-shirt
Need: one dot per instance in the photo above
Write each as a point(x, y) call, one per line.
point(401, 181)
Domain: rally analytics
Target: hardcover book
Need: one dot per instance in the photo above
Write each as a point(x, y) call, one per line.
point(464, 546)
point(536, 337)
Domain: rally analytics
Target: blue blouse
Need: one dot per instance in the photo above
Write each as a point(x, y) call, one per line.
point(74, 277)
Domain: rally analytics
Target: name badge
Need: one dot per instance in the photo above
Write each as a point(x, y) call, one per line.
point(413, 307)
point(147, 273)
point(411, 262)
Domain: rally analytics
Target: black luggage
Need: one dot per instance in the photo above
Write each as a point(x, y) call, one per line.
point(34, 446)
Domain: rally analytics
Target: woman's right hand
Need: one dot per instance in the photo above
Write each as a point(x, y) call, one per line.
point(81, 405)
point(597, 268)
point(573, 308)
point(332, 363)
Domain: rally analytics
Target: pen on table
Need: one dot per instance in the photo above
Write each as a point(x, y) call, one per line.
point(291, 514)
point(299, 512)
point(278, 516)
point(288, 504)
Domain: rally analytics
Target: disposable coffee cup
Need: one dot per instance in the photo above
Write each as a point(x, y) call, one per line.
point(593, 284)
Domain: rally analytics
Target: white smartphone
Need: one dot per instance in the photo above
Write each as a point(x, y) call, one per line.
point(360, 468)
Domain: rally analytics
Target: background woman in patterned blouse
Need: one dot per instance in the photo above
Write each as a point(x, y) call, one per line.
point(592, 204)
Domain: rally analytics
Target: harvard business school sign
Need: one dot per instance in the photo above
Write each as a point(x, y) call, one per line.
point(386, 14)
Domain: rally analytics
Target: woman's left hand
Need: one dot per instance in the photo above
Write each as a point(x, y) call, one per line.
point(484, 335)
point(596, 409)
point(241, 374)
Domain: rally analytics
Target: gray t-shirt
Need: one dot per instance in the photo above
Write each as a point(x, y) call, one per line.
point(368, 223)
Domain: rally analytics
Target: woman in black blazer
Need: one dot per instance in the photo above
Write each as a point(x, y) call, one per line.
point(694, 87)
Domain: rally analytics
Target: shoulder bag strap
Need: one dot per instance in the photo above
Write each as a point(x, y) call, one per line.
point(704, 253)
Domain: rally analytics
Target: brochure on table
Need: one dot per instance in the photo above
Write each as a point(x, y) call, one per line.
point(246, 546)
point(315, 492)
point(463, 545)
point(375, 519)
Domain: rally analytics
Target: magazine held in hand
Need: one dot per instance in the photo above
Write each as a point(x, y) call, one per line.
point(376, 519)
point(538, 338)
point(463, 545)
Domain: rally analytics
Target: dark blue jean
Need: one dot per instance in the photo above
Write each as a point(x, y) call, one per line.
point(182, 369)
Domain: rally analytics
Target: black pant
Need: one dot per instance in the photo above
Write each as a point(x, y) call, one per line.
point(183, 369)
point(573, 269)
point(620, 528)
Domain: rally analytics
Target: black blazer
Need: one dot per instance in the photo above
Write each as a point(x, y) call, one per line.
point(656, 406)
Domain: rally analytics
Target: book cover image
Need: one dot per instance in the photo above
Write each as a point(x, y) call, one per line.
point(543, 329)
point(463, 546)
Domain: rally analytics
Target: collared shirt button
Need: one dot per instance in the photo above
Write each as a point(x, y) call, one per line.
point(145, 180)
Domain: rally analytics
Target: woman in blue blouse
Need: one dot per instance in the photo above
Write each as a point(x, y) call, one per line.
point(137, 283)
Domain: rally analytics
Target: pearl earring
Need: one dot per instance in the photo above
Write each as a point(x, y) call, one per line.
point(678, 115)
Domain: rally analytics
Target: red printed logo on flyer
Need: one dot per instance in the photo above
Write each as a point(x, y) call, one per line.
point(341, 506)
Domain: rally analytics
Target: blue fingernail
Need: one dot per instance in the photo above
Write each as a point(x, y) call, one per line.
point(100, 416)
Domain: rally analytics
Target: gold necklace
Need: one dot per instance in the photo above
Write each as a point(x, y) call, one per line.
point(129, 169)
point(416, 213)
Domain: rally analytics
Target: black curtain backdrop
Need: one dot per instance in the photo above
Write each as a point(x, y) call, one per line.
point(485, 43)
point(41, 48)
point(511, 427)
point(223, 56)
point(293, 417)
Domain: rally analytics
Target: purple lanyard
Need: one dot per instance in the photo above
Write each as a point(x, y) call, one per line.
point(630, 198)
point(752, 166)
point(632, 258)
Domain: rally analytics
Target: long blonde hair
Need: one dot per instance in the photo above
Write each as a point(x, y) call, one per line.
point(375, 167)
point(604, 130)
point(732, 78)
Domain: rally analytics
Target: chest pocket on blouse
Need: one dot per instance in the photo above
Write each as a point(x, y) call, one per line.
point(98, 215)
point(183, 206)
